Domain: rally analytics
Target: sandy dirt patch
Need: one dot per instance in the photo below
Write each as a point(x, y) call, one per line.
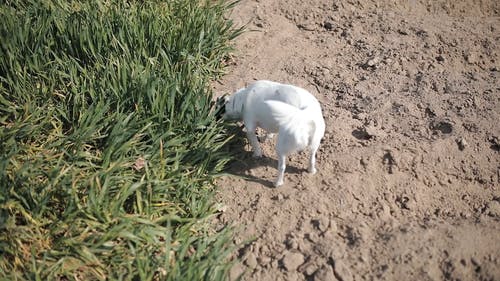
point(409, 169)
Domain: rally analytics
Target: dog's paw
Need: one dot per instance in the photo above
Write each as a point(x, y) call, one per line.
point(278, 183)
point(312, 171)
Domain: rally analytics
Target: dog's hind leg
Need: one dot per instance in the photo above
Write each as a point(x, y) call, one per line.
point(312, 160)
point(281, 170)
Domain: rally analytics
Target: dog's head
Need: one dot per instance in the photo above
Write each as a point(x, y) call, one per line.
point(230, 107)
point(234, 107)
point(220, 106)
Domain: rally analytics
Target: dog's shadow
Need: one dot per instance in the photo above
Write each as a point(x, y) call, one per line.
point(244, 161)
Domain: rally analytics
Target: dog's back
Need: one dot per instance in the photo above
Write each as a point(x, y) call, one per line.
point(263, 90)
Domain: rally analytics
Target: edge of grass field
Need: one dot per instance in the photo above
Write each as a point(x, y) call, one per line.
point(109, 148)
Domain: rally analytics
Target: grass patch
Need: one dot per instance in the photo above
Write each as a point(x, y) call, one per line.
point(108, 147)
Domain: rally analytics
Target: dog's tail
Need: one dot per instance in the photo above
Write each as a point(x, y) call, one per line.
point(295, 120)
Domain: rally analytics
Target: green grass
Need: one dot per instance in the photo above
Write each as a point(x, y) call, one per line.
point(108, 147)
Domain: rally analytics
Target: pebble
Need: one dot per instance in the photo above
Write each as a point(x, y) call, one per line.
point(475, 261)
point(373, 61)
point(312, 236)
point(472, 57)
point(251, 261)
point(292, 243)
point(333, 226)
point(325, 273)
point(264, 260)
point(321, 223)
point(311, 269)
point(402, 31)
point(342, 271)
point(328, 25)
point(324, 223)
point(385, 212)
point(409, 204)
point(279, 197)
point(373, 131)
point(440, 58)
point(462, 144)
point(494, 208)
point(292, 260)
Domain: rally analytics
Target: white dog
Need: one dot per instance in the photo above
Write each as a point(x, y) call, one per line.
point(292, 112)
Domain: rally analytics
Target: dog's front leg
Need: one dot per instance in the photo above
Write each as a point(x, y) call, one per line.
point(312, 162)
point(254, 142)
point(281, 170)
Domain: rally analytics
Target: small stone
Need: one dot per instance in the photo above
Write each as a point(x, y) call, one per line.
point(373, 61)
point(402, 32)
point(313, 237)
point(472, 58)
point(323, 223)
point(385, 212)
point(292, 260)
point(328, 25)
point(307, 26)
point(440, 58)
point(333, 226)
point(494, 208)
point(264, 260)
point(292, 243)
point(373, 131)
point(251, 261)
point(409, 204)
point(462, 144)
point(341, 271)
point(325, 273)
point(494, 142)
point(310, 269)
point(274, 264)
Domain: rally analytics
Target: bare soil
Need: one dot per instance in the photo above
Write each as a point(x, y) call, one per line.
point(408, 182)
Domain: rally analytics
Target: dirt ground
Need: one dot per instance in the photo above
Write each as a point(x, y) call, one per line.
point(408, 182)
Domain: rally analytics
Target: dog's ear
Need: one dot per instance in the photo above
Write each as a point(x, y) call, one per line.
point(220, 106)
point(221, 101)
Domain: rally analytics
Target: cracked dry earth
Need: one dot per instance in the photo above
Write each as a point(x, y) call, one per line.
point(408, 171)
